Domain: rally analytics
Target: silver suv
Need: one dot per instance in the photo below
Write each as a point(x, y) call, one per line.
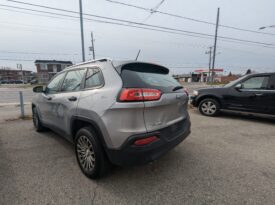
point(122, 113)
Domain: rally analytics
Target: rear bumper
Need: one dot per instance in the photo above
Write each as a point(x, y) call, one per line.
point(130, 154)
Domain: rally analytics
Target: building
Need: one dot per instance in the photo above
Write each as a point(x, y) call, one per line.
point(10, 75)
point(227, 79)
point(46, 69)
point(204, 75)
point(183, 78)
point(200, 75)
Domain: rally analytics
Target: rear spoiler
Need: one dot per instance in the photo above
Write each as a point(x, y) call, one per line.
point(132, 65)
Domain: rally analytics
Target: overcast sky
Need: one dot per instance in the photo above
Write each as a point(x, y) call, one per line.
point(30, 37)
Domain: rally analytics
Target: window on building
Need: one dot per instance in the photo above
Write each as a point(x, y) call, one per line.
point(54, 68)
point(43, 66)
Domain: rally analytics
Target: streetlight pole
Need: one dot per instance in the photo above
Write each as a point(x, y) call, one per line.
point(81, 30)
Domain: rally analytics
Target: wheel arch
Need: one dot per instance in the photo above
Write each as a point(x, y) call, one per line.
point(80, 122)
point(211, 96)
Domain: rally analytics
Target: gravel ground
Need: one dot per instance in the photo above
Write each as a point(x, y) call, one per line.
point(13, 111)
point(226, 160)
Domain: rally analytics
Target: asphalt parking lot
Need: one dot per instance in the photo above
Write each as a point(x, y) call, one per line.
point(226, 160)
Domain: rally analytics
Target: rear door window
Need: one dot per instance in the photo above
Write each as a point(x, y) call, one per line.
point(142, 75)
point(94, 78)
point(73, 80)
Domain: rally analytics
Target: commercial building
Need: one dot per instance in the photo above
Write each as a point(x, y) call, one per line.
point(200, 75)
point(11, 75)
point(46, 69)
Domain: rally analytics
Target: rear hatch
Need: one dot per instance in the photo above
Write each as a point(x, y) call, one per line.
point(159, 112)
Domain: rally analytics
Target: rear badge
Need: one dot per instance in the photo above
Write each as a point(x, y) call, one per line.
point(157, 123)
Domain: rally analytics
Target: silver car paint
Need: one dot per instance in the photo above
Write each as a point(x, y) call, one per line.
point(117, 121)
point(170, 109)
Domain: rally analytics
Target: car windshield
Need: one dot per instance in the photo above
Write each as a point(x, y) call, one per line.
point(234, 82)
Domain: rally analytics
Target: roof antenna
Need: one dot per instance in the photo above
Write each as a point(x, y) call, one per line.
point(138, 54)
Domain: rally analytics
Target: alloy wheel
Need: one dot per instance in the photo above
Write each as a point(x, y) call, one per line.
point(85, 153)
point(208, 108)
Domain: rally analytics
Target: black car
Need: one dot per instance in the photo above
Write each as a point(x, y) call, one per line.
point(253, 93)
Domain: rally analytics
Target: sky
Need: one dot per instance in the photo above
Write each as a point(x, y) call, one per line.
point(26, 36)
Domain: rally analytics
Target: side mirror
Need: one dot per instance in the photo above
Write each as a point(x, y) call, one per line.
point(239, 86)
point(38, 89)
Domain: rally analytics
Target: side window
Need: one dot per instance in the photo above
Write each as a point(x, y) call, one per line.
point(73, 80)
point(94, 78)
point(260, 82)
point(54, 85)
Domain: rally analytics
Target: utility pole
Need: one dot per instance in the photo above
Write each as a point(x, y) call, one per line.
point(81, 30)
point(210, 58)
point(20, 67)
point(215, 46)
point(92, 48)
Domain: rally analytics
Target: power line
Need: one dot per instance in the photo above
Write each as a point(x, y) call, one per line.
point(13, 59)
point(188, 18)
point(153, 10)
point(114, 23)
point(137, 23)
point(29, 13)
point(39, 53)
point(101, 21)
point(98, 16)
point(155, 27)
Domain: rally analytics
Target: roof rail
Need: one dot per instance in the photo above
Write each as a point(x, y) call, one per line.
point(90, 61)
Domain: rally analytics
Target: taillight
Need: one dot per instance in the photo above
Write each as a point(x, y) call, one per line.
point(139, 94)
point(145, 141)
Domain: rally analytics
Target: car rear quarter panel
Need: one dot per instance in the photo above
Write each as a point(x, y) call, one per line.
point(117, 121)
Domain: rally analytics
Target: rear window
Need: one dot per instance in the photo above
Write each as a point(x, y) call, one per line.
point(142, 75)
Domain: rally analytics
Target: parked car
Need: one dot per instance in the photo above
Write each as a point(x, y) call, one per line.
point(5, 82)
point(253, 93)
point(13, 82)
point(34, 81)
point(123, 113)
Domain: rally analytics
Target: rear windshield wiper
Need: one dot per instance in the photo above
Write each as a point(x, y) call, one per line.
point(177, 88)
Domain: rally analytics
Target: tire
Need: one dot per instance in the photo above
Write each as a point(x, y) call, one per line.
point(36, 121)
point(209, 107)
point(90, 155)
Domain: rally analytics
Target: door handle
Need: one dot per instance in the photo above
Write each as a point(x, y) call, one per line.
point(49, 98)
point(73, 98)
point(258, 94)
